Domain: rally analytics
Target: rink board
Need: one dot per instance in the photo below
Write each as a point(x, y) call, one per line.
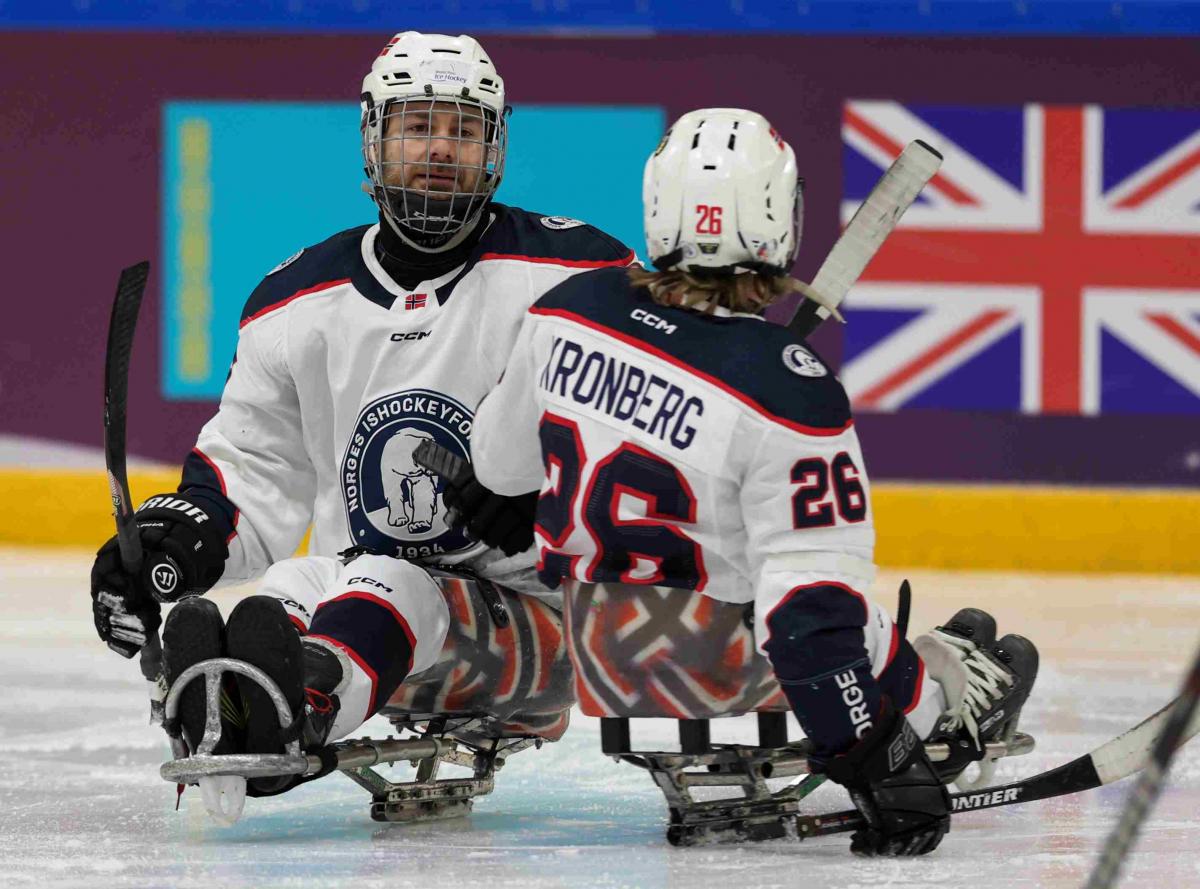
point(983, 527)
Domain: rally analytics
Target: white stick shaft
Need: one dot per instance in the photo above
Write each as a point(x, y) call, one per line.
point(872, 223)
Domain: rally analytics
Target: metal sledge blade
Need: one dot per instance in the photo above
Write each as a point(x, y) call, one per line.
point(224, 798)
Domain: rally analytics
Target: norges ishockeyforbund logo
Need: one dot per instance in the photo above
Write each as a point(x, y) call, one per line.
point(394, 505)
point(802, 362)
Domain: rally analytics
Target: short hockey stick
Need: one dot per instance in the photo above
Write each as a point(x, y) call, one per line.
point(1111, 761)
point(868, 228)
point(121, 326)
point(1180, 724)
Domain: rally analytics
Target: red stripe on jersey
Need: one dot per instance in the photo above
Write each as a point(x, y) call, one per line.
point(569, 263)
point(213, 466)
point(696, 372)
point(808, 586)
point(382, 603)
point(316, 288)
point(237, 513)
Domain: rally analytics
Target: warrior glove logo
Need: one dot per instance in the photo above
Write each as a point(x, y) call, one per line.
point(394, 505)
point(164, 577)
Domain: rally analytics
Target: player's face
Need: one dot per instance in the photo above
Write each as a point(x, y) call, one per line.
point(434, 146)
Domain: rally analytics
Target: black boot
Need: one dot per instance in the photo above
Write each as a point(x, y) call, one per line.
point(323, 676)
point(261, 634)
point(986, 684)
point(194, 632)
point(972, 625)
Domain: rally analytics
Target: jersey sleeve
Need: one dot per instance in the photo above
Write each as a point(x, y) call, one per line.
point(805, 503)
point(250, 458)
point(505, 449)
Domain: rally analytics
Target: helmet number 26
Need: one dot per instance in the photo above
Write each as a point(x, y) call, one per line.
point(709, 222)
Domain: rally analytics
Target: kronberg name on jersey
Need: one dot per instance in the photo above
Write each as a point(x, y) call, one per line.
point(622, 390)
point(393, 504)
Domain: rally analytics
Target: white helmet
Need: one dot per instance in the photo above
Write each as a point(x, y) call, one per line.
point(720, 194)
point(429, 186)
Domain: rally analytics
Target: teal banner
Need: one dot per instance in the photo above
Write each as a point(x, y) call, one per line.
point(247, 184)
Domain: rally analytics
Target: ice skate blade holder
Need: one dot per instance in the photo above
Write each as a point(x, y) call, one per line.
point(487, 724)
point(427, 797)
point(760, 813)
point(654, 652)
point(499, 686)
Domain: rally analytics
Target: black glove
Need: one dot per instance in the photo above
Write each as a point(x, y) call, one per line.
point(894, 786)
point(184, 552)
point(504, 523)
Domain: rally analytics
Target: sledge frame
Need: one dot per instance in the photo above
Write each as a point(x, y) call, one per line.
point(427, 797)
point(759, 813)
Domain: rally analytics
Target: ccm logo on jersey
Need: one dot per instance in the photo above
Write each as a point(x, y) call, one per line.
point(855, 700)
point(413, 335)
point(651, 320)
point(993, 798)
point(371, 581)
point(188, 509)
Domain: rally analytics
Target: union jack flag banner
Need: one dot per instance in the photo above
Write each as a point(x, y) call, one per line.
point(1051, 266)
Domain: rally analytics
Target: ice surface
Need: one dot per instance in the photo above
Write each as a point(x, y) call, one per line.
point(81, 802)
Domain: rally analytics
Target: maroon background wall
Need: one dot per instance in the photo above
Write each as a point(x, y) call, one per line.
point(79, 144)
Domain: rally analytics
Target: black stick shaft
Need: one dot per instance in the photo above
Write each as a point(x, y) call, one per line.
point(122, 325)
point(1075, 776)
point(1148, 786)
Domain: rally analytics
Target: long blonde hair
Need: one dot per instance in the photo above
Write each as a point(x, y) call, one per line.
point(746, 292)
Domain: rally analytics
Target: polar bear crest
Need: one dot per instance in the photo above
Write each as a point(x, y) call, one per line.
point(410, 489)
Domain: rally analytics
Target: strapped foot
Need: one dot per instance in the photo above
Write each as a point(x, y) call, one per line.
point(986, 683)
point(261, 634)
point(194, 632)
point(307, 672)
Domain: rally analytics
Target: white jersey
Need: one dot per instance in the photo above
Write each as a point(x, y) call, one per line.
point(340, 373)
point(672, 448)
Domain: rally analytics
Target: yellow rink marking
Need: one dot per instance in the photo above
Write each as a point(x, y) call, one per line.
point(981, 527)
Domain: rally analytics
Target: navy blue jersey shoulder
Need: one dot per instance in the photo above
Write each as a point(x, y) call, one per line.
point(334, 259)
point(517, 232)
point(761, 360)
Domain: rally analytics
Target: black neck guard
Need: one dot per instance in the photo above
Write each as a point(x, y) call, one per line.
point(408, 266)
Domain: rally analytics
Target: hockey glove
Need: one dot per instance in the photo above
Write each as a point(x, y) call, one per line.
point(503, 523)
point(894, 785)
point(184, 554)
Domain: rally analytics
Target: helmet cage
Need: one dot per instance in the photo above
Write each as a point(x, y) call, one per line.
point(434, 162)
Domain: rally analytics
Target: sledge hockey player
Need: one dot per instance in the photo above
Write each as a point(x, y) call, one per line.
point(680, 440)
point(350, 354)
